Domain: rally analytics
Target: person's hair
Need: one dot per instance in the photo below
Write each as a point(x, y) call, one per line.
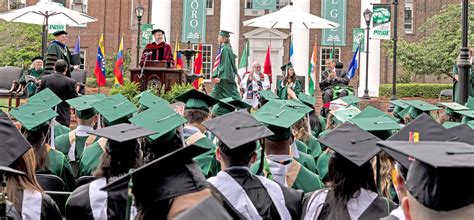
point(345, 180)
point(15, 182)
point(419, 211)
point(300, 130)
point(226, 39)
point(195, 115)
point(34, 62)
point(38, 140)
point(385, 175)
point(255, 63)
point(289, 78)
point(60, 66)
point(237, 157)
point(120, 160)
point(161, 147)
point(314, 121)
point(330, 124)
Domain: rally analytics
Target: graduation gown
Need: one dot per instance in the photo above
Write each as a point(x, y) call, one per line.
point(31, 86)
point(316, 130)
point(34, 205)
point(58, 165)
point(226, 72)
point(154, 51)
point(282, 90)
point(256, 196)
point(12, 213)
point(313, 146)
point(91, 157)
point(367, 205)
point(89, 202)
point(60, 129)
point(62, 52)
point(456, 90)
point(322, 164)
point(72, 145)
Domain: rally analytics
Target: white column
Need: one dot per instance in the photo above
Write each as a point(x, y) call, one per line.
point(374, 57)
point(301, 44)
point(230, 21)
point(161, 16)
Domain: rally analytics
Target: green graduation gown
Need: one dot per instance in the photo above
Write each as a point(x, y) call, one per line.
point(91, 157)
point(31, 86)
point(313, 146)
point(64, 142)
point(58, 165)
point(456, 84)
point(315, 131)
point(282, 90)
point(62, 52)
point(322, 164)
point(226, 72)
point(60, 129)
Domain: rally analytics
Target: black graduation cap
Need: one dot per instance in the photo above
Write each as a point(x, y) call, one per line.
point(12, 145)
point(169, 176)
point(286, 66)
point(440, 176)
point(157, 30)
point(60, 32)
point(207, 209)
point(122, 132)
point(464, 133)
point(37, 58)
point(237, 128)
point(352, 142)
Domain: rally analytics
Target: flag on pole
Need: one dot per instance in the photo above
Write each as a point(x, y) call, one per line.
point(267, 65)
point(198, 67)
point(177, 55)
point(118, 68)
point(312, 71)
point(244, 59)
point(99, 69)
point(354, 64)
point(77, 46)
point(292, 58)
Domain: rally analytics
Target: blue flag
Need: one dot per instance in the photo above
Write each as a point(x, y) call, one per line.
point(354, 65)
point(77, 46)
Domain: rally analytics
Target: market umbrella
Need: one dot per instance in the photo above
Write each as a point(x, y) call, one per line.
point(46, 12)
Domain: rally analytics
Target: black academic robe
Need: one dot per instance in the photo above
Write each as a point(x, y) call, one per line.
point(65, 88)
point(49, 209)
point(78, 206)
point(260, 198)
point(12, 213)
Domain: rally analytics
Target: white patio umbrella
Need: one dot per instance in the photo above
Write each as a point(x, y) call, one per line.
point(44, 13)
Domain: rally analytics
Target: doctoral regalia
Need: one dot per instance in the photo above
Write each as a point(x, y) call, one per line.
point(62, 53)
point(154, 51)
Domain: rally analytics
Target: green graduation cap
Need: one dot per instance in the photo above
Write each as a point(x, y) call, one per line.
point(382, 123)
point(33, 116)
point(451, 108)
point(47, 97)
point(267, 95)
point(451, 124)
point(222, 108)
point(149, 100)
point(400, 105)
point(350, 100)
point(115, 109)
point(237, 103)
point(225, 33)
point(371, 112)
point(308, 100)
point(286, 66)
point(470, 102)
point(83, 106)
point(344, 114)
point(417, 107)
point(293, 105)
point(162, 119)
point(468, 115)
point(194, 99)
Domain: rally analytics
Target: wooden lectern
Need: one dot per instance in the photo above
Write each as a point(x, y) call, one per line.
point(156, 75)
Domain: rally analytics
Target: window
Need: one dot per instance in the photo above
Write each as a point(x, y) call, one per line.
point(83, 58)
point(16, 4)
point(80, 6)
point(207, 59)
point(408, 24)
point(249, 11)
point(210, 7)
point(326, 54)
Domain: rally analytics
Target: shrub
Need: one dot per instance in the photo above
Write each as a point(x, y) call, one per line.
point(425, 90)
point(129, 90)
point(176, 90)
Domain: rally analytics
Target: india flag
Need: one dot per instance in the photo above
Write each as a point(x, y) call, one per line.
point(312, 71)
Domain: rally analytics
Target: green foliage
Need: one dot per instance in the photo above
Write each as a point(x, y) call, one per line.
point(425, 90)
point(19, 43)
point(436, 53)
point(129, 90)
point(91, 82)
point(176, 90)
point(110, 64)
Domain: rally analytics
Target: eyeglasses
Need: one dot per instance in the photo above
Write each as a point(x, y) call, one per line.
point(258, 67)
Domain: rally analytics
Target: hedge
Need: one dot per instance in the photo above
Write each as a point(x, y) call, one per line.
point(91, 82)
point(425, 90)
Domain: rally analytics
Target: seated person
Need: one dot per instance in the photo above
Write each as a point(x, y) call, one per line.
point(157, 50)
point(333, 81)
point(289, 87)
point(35, 72)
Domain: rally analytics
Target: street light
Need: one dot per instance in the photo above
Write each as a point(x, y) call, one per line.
point(139, 10)
point(463, 62)
point(367, 17)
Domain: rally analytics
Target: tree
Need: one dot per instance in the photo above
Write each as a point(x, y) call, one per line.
point(436, 53)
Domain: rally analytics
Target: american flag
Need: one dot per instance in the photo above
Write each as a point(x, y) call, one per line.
point(218, 59)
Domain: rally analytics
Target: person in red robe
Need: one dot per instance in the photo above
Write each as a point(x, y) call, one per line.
point(158, 50)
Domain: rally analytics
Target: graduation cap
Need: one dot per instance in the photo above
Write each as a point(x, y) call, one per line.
point(114, 109)
point(207, 209)
point(60, 32)
point(83, 106)
point(308, 100)
point(286, 66)
point(267, 95)
point(417, 107)
point(33, 115)
point(157, 30)
point(352, 142)
point(122, 132)
point(451, 108)
point(169, 176)
point(47, 97)
point(468, 115)
point(194, 99)
point(279, 119)
point(162, 119)
point(375, 121)
point(450, 124)
point(470, 102)
point(237, 103)
point(464, 132)
point(350, 100)
point(293, 105)
point(149, 100)
point(12, 146)
point(222, 108)
point(37, 58)
point(225, 33)
point(439, 176)
point(344, 114)
point(400, 105)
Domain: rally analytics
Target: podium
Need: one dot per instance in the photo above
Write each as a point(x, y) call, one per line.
point(157, 75)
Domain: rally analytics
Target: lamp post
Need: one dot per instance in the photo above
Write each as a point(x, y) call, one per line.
point(139, 13)
point(395, 42)
point(367, 17)
point(463, 61)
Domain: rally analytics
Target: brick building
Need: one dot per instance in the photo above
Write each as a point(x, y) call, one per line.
point(117, 17)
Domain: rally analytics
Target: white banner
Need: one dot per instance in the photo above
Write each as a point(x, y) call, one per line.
point(382, 21)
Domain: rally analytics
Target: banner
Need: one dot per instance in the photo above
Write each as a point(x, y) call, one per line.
point(264, 4)
point(381, 21)
point(358, 38)
point(335, 11)
point(56, 27)
point(194, 21)
point(146, 36)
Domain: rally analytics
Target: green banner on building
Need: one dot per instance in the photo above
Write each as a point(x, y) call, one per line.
point(146, 36)
point(194, 21)
point(336, 11)
point(381, 21)
point(264, 4)
point(358, 39)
